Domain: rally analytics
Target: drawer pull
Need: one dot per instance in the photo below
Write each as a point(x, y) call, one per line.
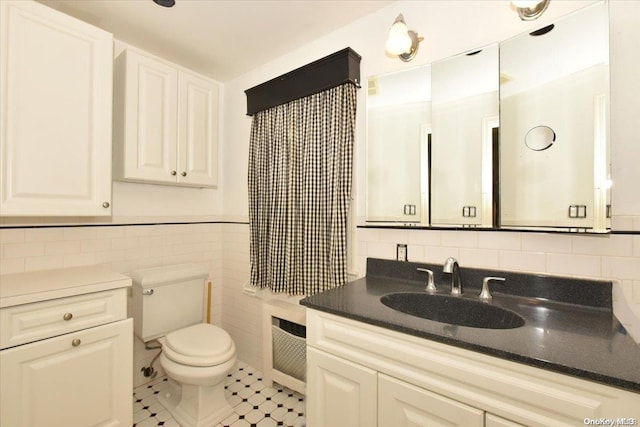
point(67, 316)
point(76, 342)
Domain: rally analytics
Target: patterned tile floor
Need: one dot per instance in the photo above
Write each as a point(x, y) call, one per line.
point(254, 404)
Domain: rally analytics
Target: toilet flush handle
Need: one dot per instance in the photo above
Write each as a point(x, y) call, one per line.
point(148, 291)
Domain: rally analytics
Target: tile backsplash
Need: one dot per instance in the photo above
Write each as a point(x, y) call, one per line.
point(224, 249)
point(121, 248)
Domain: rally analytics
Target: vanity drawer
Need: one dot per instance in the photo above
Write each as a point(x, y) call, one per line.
point(26, 323)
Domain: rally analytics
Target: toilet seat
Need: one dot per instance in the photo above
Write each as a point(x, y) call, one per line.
point(199, 345)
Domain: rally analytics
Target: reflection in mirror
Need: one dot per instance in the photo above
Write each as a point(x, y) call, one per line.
point(554, 157)
point(540, 138)
point(398, 132)
point(464, 116)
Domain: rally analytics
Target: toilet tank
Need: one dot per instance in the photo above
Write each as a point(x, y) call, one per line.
point(166, 298)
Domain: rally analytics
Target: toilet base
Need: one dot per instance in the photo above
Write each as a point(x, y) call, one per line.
point(195, 406)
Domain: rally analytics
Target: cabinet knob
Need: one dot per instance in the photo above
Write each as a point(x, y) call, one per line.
point(67, 316)
point(106, 205)
point(183, 174)
point(76, 342)
point(173, 173)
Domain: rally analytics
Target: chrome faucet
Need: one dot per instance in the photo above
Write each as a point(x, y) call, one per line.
point(431, 286)
point(485, 294)
point(451, 266)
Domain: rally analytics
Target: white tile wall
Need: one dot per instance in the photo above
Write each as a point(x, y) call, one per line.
point(122, 249)
point(613, 257)
point(241, 314)
point(523, 261)
point(224, 249)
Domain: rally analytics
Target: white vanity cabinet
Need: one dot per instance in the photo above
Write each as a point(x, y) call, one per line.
point(339, 392)
point(404, 405)
point(66, 355)
point(491, 420)
point(404, 380)
point(55, 131)
point(165, 123)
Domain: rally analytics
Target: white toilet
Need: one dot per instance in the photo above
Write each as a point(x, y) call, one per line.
point(167, 305)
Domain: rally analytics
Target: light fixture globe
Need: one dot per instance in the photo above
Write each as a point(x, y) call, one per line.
point(411, 53)
point(528, 10)
point(402, 41)
point(399, 41)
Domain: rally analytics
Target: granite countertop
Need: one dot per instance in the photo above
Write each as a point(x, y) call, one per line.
point(569, 325)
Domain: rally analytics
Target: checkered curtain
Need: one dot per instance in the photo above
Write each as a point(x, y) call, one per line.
point(300, 166)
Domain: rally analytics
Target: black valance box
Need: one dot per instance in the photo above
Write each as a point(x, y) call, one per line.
point(328, 72)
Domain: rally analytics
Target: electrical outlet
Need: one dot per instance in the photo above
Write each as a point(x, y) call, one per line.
point(401, 252)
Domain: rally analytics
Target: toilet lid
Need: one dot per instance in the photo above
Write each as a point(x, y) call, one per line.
point(199, 345)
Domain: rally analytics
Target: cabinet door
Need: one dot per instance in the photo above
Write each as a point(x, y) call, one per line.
point(64, 382)
point(197, 131)
point(55, 131)
point(495, 421)
point(149, 147)
point(401, 404)
point(339, 392)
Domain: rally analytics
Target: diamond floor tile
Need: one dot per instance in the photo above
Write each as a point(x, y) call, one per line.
point(254, 404)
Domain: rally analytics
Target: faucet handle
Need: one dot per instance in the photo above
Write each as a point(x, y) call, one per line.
point(485, 294)
point(431, 287)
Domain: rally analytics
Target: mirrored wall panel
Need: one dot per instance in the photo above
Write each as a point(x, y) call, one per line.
point(515, 137)
point(465, 122)
point(398, 132)
point(554, 121)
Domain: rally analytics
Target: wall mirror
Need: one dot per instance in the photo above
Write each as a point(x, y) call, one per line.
point(398, 133)
point(554, 125)
point(465, 129)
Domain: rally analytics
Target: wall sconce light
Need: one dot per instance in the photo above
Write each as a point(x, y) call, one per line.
point(528, 10)
point(402, 41)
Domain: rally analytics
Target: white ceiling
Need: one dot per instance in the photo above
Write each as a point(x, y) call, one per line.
point(219, 38)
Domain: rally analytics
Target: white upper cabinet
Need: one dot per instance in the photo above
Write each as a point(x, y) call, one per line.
point(166, 123)
point(55, 131)
point(146, 111)
point(197, 130)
